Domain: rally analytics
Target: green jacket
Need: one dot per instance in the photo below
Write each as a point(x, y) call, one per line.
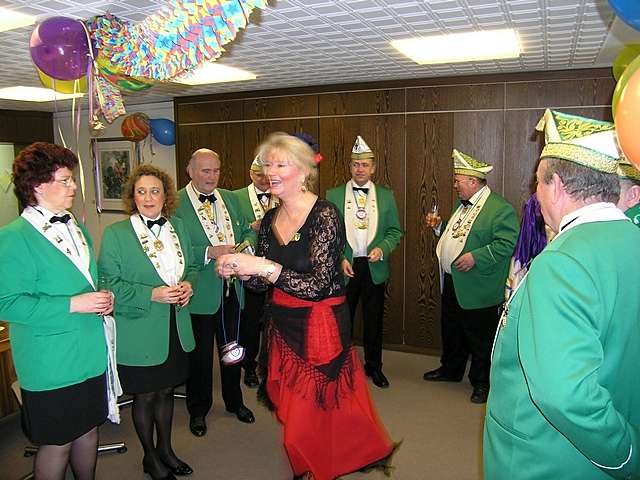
point(51, 347)
point(244, 204)
point(208, 292)
point(387, 236)
point(142, 325)
point(563, 393)
point(491, 241)
point(634, 214)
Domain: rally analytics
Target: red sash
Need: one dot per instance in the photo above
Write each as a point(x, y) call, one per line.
point(323, 338)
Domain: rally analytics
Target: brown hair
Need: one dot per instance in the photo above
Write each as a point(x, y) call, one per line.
point(170, 195)
point(37, 164)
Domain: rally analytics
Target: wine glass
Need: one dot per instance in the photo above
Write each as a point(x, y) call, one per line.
point(433, 217)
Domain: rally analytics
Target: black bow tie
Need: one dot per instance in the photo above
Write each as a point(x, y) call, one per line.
point(203, 198)
point(61, 219)
point(466, 203)
point(362, 189)
point(160, 222)
point(264, 195)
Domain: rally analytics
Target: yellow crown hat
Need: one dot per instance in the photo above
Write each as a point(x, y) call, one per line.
point(256, 165)
point(464, 164)
point(627, 170)
point(585, 141)
point(360, 149)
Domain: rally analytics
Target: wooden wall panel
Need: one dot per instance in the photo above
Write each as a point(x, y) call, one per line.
point(429, 180)
point(281, 107)
point(560, 93)
point(218, 111)
point(384, 135)
point(225, 139)
point(455, 97)
point(354, 103)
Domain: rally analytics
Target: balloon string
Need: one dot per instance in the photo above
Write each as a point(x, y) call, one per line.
point(97, 173)
point(75, 119)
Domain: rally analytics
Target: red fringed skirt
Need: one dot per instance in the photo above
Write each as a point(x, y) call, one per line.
point(317, 386)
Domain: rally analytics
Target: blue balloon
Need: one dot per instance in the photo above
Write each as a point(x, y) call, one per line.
point(163, 130)
point(628, 11)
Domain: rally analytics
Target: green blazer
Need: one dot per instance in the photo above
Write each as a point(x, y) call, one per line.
point(51, 347)
point(143, 325)
point(491, 241)
point(244, 204)
point(634, 214)
point(387, 236)
point(208, 293)
point(564, 394)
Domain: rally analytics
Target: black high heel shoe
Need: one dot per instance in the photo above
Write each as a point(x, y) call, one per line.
point(149, 471)
point(181, 469)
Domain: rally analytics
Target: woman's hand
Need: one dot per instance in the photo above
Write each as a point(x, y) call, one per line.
point(100, 303)
point(166, 294)
point(237, 264)
point(186, 292)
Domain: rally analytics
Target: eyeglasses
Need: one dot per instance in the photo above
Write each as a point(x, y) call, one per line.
point(361, 164)
point(67, 182)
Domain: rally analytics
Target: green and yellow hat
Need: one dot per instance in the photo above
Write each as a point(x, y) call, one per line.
point(627, 170)
point(581, 140)
point(464, 164)
point(360, 149)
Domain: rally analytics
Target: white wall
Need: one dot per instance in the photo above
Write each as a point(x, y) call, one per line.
point(8, 200)
point(164, 158)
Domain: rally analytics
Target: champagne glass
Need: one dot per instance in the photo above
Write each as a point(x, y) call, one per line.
point(433, 217)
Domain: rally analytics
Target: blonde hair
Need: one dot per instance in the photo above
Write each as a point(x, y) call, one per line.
point(296, 151)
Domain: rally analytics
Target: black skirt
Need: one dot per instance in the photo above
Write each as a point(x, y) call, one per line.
point(57, 417)
point(173, 371)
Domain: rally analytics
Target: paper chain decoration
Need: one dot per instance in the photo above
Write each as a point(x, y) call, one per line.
point(173, 41)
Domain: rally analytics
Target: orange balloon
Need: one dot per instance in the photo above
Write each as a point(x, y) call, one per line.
point(628, 120)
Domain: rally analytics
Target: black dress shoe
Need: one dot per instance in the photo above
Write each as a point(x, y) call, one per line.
point(379, 380)
point(243, 413)
point(438, 375)
point(198, 426)
point(181, 469)
point(480, 394)
point(149, 469)
point(251, 379)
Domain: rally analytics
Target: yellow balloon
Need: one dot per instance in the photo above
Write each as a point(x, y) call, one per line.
point(63, 86)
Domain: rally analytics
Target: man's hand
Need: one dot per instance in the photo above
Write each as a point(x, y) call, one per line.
point(465, 262)
point(376, 254)
point(219, 250)
point(347, 269)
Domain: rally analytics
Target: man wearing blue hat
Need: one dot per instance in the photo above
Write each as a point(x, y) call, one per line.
point(564, 402)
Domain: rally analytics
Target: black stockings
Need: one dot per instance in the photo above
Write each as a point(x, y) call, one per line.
point(51, 460)
point(154, 410)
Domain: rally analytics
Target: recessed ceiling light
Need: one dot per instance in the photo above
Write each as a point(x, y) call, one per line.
point(461, 47)
point(35, 94)
point(214, 73)
point(10, 19)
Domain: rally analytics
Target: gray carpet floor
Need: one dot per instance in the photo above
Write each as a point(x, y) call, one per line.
point(440, 429)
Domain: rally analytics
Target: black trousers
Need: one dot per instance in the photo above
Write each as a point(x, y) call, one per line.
point(200, 382)
point(251, 326)
point(361, 287)
point(464, 333)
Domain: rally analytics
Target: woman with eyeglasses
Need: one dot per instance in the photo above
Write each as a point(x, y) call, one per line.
point(48, 282)
point(146, 260)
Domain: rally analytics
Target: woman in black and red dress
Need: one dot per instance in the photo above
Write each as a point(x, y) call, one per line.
point(314, 379)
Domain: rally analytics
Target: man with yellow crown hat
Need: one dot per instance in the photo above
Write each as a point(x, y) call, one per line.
point(254, 201)
point(473, 252)
point(629, 201)
point(373, 231)
point(564, 402)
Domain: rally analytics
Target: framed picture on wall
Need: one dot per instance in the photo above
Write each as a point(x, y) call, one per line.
point(116, 158)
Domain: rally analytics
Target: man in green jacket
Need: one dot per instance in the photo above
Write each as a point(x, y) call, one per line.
point(564, 402)
point(629, 201)
point(474, 251)
point(373, 231)
point(214, 223)
point(254, 201)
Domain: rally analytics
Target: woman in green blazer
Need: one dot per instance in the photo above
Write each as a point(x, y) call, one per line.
point(147, 262)
point(47, 293)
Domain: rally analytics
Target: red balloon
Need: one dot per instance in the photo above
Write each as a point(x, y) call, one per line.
point(628, 120)
point(135, 127)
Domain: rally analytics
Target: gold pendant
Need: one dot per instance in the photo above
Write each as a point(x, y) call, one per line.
point(158, 245)
point(220, 236)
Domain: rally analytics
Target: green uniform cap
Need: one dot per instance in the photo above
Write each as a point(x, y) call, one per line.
point(464, 164)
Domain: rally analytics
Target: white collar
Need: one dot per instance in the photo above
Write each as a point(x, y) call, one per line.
point(47, 214)
point(198, 192)
point(588, 211)
point(258, 191)
point(476, 196)
point(366, 185)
